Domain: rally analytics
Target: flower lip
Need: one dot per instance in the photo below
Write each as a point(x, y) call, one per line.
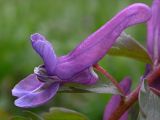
point(37, 97)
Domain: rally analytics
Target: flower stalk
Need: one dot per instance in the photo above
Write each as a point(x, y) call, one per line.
point(132, 98)
point(125, 104)
point(110, 77)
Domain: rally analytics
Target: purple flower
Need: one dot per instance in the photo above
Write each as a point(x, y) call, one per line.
point(42, 85)
point(153, 43)
point(116, 100)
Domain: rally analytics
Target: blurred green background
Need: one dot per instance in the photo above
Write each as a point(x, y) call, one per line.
point(64, 23)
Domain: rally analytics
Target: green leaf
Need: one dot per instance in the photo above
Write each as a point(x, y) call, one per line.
point(18, 118)
point(32, 115)
point(4, 115)
point(27, 115)
point(141, 116)
point(127, 46)
point(59, 113)
point(98, 88)
point(149, 104)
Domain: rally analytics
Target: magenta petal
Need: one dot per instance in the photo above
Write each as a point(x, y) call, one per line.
point(153, 41)
point(38, 97)
point(87, 76)
point(126, 85)
point(116, 99)
point(45, 50)
point(27, 85)
point(92, 49)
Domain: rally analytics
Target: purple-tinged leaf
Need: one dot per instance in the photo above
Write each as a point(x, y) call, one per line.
point(127, 46)
point(59, 113)
point(149, 103)
point(98, 88)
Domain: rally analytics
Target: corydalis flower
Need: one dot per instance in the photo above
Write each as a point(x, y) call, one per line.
point(153, 43)
point(116, 100)
point(76, 66)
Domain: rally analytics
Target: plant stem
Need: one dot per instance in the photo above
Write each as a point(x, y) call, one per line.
point(125, 104)
point(129, 100)
point(110, 77)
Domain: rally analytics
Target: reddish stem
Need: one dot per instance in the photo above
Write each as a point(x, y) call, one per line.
point(129, 100)
point(111, 78)
point(125, 104)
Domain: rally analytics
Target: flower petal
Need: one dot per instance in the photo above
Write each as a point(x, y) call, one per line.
point(45, 50)
point(27, 85)
point(87, 76)
point(153, 41)
point(38, 97)
point(92, 49)
point(116, 99)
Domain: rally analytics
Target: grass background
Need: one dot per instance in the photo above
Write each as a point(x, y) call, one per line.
point(64, 23)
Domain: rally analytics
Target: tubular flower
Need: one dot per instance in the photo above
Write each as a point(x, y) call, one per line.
point(153, 44)
point(117, 99)
point(42, 85)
